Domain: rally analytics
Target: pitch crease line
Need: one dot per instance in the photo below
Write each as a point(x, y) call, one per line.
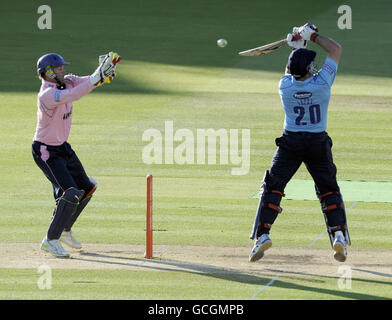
point(302, 255)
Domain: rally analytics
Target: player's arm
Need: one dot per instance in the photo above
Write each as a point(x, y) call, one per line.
point(53, 97)
point(103, 74)
point(333, 49)
point(75, 80)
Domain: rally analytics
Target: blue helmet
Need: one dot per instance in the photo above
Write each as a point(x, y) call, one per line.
point(48, 61)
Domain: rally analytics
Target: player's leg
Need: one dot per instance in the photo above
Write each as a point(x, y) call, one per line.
point(83, 182)
point(67, 236)
point(66, 205)
point(320, 165)
point(51, 161)
point(284, 164)
point(83, 203)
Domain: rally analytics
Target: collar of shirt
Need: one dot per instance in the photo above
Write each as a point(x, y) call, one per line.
point(300, 83)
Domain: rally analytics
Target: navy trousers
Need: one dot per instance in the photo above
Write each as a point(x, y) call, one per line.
point(312, 149)
point(62, 167)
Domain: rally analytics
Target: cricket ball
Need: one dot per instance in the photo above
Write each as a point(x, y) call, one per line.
point(222, 43)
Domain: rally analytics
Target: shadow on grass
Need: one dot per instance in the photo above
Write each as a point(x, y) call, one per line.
point(231, 275)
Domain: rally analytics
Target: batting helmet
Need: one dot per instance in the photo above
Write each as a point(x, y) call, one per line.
point(50, 60)
point(300, 61)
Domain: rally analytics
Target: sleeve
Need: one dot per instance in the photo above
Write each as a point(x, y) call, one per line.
point(285, 82)
point(75, 80)
point(328, 71)
point(52, 97)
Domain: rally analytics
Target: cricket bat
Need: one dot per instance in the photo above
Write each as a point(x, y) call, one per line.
point(266, 48)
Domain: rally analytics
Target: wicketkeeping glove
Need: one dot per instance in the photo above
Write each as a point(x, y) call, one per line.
point(106, 70)
point(308, 31)
point(293, 41)
point(115, 58)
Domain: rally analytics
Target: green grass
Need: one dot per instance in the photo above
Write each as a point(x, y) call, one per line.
point(191, 285)
point(173, 70)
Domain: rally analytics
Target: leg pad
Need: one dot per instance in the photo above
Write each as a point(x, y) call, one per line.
point(332, 206)
point(66, 206)
point(268, 209)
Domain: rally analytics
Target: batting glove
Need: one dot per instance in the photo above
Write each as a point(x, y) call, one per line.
point(295, 41)
point(106, 70)
point(308, 31)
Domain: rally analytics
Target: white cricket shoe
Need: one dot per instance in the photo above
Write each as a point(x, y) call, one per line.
point(339, 245)
point(54, 247)
point(69, 240)
point(262, 244)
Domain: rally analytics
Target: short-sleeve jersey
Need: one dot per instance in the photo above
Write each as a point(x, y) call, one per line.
point(306, 102)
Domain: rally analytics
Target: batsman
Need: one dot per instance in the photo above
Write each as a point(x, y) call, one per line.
point(72, 188)
point(305, 93)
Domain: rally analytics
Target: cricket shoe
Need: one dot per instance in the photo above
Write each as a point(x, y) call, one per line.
point(262, 244)
point(67, 238)
point(54, 247)
point(339, 245)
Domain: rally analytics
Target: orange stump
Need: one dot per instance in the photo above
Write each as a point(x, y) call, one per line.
point(148, 254)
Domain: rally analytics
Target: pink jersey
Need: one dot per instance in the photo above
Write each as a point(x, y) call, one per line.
point(54, 113)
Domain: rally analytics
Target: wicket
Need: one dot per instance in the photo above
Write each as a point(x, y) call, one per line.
point(149, 243)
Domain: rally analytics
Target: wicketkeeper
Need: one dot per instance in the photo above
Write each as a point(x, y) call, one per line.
point(305, 94)
point(72, 188)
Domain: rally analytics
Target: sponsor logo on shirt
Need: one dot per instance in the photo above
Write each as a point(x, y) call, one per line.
point(302, 95)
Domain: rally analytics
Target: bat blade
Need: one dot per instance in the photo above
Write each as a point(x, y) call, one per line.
point(263, 49)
